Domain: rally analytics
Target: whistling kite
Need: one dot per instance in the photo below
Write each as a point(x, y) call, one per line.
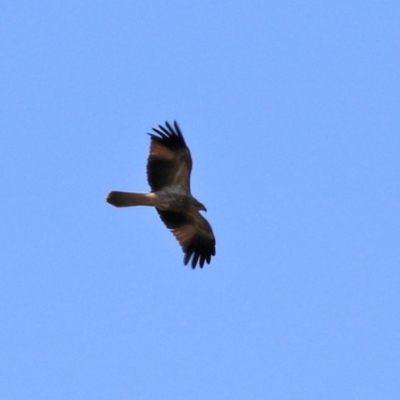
point(168, 173)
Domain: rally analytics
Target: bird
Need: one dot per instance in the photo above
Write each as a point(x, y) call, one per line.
point(169, 165)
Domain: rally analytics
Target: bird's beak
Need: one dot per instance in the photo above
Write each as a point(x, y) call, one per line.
point(204, 208)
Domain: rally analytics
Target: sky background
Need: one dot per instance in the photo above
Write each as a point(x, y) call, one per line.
point(292, 113)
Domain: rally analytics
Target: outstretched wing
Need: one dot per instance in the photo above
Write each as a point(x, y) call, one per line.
point(193, 233)
point(169, 162)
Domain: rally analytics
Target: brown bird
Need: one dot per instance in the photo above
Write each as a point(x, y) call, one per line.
point(168, 172)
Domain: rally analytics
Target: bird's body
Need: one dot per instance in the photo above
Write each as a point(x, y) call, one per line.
point(168, 172)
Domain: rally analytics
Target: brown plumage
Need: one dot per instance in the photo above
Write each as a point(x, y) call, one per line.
point(168, 172)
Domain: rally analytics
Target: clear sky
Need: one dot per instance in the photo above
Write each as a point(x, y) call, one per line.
point(291, 110)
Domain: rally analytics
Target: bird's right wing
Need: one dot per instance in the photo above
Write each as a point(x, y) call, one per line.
point(169, 162)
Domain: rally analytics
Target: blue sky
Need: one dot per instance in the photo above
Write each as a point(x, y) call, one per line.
point(291, 111)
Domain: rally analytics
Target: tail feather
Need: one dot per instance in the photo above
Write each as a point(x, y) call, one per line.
point(126, 199)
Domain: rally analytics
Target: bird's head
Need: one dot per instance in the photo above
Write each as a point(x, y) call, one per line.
point(199, 206)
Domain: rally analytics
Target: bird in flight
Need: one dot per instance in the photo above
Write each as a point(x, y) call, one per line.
point(168, 172)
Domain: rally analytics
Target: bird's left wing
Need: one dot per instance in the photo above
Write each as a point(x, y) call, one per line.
point(194, 234)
